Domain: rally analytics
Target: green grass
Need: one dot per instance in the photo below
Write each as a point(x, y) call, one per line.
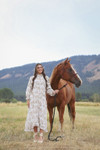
point(85, 136)
point(88, 110)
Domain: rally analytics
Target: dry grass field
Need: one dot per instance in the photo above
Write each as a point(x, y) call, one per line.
point(85, 136)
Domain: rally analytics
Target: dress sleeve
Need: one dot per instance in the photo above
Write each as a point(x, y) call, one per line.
point(29, 89)
point(50, 91)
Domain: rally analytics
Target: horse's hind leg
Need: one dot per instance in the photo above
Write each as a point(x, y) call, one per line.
point(71, 110)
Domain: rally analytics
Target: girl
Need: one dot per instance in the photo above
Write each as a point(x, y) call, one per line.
point(37, 88)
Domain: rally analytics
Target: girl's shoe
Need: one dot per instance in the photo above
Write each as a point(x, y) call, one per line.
point(40, 138)
point(35, 137)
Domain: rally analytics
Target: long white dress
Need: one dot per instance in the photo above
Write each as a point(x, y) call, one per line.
point(37, 112)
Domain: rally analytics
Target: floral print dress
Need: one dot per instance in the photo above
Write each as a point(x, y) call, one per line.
point(37, 112)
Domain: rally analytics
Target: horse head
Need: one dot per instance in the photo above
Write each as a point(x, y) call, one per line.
point(68, 73)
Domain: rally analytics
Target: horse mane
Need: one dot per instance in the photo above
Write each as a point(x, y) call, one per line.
point(53, 73)
point(58, 68)
point(55, 70)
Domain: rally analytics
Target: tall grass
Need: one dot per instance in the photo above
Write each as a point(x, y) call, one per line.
point(85, 136)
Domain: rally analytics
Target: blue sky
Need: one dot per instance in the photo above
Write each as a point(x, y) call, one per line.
point(47, 30)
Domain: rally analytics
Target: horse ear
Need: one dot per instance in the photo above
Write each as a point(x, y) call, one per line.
point(67, 61)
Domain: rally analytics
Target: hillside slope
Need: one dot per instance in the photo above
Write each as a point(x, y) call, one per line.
point(88, 67)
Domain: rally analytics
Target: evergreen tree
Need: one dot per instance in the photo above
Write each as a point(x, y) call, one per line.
point(95, 97)
point(78, 96)
point(6, 95)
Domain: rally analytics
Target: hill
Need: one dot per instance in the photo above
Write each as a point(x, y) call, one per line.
point(87, 66)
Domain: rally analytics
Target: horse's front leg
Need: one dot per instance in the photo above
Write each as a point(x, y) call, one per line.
point(50, 116)
point(59, 127)
point(61, 110)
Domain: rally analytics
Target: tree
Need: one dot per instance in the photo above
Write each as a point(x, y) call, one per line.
point(6, 95)
point(78, 96)
point(95, 97)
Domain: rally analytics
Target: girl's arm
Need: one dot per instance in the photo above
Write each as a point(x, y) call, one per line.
point(29, 89)
point(50, 91)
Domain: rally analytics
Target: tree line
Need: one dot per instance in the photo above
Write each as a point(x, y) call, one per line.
point(6, 95)
point(95, 97)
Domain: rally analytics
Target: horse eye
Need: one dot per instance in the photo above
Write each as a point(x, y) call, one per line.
point(70, 70)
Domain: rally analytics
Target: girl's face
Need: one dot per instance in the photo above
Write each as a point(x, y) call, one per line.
point(39, 69)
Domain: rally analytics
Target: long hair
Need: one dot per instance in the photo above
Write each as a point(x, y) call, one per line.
point(35, 75)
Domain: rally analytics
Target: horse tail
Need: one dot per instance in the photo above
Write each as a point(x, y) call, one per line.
point(69, 110)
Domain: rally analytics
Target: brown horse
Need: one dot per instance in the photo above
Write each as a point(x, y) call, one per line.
point(63, 73)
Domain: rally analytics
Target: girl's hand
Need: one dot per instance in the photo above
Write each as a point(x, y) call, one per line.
point(28, 103)
point(56, 91)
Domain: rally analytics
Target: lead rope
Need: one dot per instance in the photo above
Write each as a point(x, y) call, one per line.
point(55, 139)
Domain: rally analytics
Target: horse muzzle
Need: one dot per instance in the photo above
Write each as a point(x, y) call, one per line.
point(78, 83)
